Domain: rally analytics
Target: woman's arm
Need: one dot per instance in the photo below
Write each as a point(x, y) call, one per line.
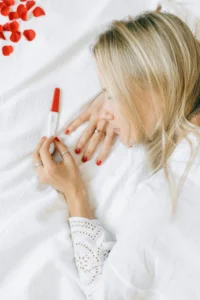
point(121, 269)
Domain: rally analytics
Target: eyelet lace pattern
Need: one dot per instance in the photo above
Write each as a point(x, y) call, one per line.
point(92, 245)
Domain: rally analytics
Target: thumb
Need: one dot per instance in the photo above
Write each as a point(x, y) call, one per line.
point(61, 147)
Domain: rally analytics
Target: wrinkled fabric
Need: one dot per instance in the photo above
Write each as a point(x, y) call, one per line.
point(156, 254)
point(36, 253)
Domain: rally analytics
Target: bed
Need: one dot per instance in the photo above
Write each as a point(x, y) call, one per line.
point(36, 254)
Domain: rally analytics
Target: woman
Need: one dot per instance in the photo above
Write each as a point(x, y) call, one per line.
point(149, 68)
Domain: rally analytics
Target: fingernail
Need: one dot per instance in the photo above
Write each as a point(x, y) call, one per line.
point(43, 137)
point(67, 131)
point(57, 139)
point(84, 158)
point(98, 162)
point(78, 150)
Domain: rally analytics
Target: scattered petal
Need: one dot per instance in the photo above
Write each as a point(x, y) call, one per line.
point(7, 50)
point(38, 11)
point(29, 34)
point(13, 15)
point(24, 16)
point(30, 4)
point(2, 36)
point(14, 26)
point(6, 27)
point(21, 9)
point(9, 2)
point(5, 10)
point(15, 36)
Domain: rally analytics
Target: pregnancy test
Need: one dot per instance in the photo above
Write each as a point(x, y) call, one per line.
point(53, 117)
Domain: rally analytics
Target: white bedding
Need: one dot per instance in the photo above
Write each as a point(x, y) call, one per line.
point(36, 255)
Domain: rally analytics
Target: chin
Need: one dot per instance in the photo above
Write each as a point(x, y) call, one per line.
point(129, 141)
point(125, 142)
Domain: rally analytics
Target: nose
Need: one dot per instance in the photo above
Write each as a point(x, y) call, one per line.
point(106, 112)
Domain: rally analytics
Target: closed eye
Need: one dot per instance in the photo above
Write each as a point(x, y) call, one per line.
point(109, 97)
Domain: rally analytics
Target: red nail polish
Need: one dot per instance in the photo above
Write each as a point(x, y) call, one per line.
point(57, 139)
point(67, 131)
point(84, 158)
point(78, 151)
point(98, 162)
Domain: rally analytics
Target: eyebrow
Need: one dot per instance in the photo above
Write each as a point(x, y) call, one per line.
point(104, 89)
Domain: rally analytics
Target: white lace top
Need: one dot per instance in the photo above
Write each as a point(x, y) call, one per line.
point(92, 246)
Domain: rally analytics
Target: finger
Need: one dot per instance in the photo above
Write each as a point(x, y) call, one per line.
point(45, 155)
point(84, 117)
point(95, 140)
point(85, 136)
point(61, 147)
point(36, 155)
point(107, 145)
point(36, 158)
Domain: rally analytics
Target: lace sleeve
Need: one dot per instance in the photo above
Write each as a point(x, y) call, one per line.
point(92, 245)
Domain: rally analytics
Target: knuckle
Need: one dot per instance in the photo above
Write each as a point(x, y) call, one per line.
point(51, 170)
point(81, 118)
point(94, 118)
point(41, 149)
point(110, 134)
point(88, 154)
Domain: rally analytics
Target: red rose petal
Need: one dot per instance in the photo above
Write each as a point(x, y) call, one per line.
point(5, 10)
point(24, 16)
point(15, 36)
point(9, 2)
point(22, 0)
point(38, 11)
point(1, 28)
point(29, 34)
point(1, 4)
point(7, 50)
point(14, 26)
point(21, 9)
point(6, 27)
point(2, 36)
point(30, 4)
point(13, 15)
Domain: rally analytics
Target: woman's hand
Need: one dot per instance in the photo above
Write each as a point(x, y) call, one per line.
point(63, 176)
point(97, 117)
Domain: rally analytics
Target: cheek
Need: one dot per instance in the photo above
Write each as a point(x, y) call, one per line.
point(118, 118)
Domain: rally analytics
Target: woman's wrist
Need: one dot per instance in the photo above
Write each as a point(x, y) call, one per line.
point(78, 206)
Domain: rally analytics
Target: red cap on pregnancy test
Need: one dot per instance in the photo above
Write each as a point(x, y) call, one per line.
point(55, 101)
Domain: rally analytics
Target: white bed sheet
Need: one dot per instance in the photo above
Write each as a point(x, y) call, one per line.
point(36, 255)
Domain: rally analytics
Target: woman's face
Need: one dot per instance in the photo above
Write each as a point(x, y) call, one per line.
point(127, 132)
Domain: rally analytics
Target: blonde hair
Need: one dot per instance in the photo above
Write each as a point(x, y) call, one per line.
point(158, 53)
